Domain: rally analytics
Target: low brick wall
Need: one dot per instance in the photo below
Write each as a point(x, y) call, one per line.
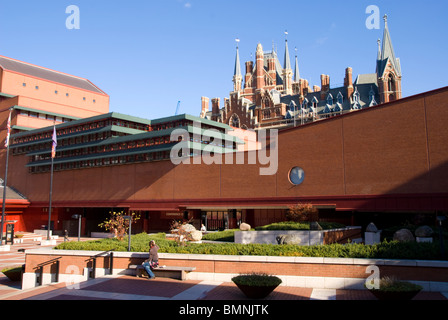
point(334, 273)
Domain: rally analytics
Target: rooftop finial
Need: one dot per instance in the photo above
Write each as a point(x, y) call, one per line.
point(385, 18)
point(286, 35)
point(237, 40)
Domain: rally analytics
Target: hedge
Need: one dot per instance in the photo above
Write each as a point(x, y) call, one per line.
point(291, 225)
point(384, 250)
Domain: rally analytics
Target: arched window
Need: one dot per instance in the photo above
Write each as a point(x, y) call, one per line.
point(391, 83)
point(267, 103)
point(235, 121)
point(391, 97)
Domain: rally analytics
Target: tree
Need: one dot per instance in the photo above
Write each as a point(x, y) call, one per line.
point(302, 212)
point(118, 225)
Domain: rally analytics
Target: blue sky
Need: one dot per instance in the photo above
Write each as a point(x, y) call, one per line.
point(147, 55)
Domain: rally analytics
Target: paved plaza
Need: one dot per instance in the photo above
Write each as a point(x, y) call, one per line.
point(161, 289)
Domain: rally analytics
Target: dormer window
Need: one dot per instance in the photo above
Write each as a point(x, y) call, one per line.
point(292, 106)
point(356, 100)
point(315, 102)
point(305, 104)
point(372, 101)
point(356, 97)
point(340, 98)
point(330, 99)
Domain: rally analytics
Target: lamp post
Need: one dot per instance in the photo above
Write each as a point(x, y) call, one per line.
point(79, 217)
point(129, 218)
point(442, 248)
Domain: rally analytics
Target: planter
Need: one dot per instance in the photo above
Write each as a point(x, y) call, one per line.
point(257, 286)
point(392, 289)
point(256, 292)
point(394, 295)
point(13, 274)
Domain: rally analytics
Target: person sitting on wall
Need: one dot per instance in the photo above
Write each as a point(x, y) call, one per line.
point(153, 261)
point(203, 228)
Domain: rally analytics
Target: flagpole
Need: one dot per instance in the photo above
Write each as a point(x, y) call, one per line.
point(53, 155)
point(4, 197)
point(51, 196)
point(5, 181)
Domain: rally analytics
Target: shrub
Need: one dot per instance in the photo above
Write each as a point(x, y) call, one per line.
point(12, 269)
point(291, 225)
point(224, 236)
point(13, 273)
point(384, 250)
point(257, 279)
point(392, 284)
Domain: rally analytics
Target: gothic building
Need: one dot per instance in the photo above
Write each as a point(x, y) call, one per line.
point(271, 94)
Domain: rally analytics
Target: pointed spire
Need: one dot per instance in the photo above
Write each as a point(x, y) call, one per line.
point(237, 77)
point(296, 70)
point(379, 49)
point(237, 60)
point(287, 62)
point(388, 50)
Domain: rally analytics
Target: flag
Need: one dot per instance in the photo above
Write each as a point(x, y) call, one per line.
point(55, 143)
point(8, 130)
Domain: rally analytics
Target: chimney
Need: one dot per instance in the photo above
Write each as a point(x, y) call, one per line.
point(259, 74)
point(249, 71)
point(205, 103)
point(325, 85)
point(216, 106)
point(348, 81)
point(316, 88)
point(305, 87)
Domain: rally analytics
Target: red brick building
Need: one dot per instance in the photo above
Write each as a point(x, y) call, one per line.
point(271, 94)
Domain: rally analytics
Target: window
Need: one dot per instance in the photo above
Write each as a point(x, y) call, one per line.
point(330, 100)
point(55, 91)
point(235, 121)
point(37, 87)
point(340, 98)
point(296, 176)
point(372, 98)
point(24, 84)
point(315, 103)
point(391, 83)
point(84, 99)
point(305, 104)
point(356, 100)
point(66, 94)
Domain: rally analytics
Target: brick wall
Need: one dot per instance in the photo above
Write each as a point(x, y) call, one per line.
point(429, 273)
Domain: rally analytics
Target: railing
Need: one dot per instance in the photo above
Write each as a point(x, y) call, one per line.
point(93, 261)
point(40, 270)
